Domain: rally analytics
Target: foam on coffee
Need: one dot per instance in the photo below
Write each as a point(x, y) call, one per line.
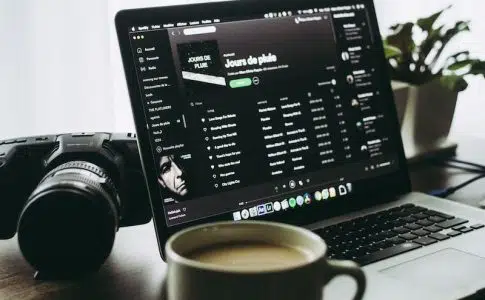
point(250, 255)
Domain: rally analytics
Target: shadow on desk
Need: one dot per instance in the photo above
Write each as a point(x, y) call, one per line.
point(134, 270)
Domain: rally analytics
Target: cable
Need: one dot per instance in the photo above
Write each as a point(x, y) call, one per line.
point(467, 169)
point(449, 191)
point(479, 166)
point(471, 167)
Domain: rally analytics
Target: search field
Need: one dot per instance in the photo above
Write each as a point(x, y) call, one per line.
point(200, 30)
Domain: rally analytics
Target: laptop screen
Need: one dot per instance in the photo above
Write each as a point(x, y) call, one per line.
point(253, 115)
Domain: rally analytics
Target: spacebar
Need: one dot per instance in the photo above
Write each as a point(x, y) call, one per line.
point(386, 253)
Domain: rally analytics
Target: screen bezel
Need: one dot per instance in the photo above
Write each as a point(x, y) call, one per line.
point(369, 192)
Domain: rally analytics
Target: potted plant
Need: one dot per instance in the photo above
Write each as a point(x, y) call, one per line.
point(415, 57)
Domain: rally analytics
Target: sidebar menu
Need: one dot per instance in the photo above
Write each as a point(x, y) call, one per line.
point(158, 89)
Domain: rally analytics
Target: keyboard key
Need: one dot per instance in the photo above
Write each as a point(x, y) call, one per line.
point(451, 223)
point(373, 248)
point(436, 219)
point(386, 253)
point(466, 229)
point(401, 213)
point(420, 232)
point(367, 249)
point(454, 233)
point(439, 214)
point(362, 251)
point(388, 234)
point(420, 216)
point(383, 244)
point(387, 226)
point(457, 228)
point(425, 241)
point(417, 209)
point(408, 236)
point(413, 226)
point(377, 238)
point(387, 244)
point(439, 236)
point(401, 230)
point(409, 219)
point(398, 222)
point(396, 240)
point(433, 228)
point(425, 222)
point(477, 226)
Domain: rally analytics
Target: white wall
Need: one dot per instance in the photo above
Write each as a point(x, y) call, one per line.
point(15, 116)
point(61, 69)
point(55, 74)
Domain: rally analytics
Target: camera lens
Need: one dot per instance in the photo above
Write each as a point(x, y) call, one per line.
point(69, 222)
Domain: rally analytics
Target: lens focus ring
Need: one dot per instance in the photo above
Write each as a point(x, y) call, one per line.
point(69, 223)
point(85, 166)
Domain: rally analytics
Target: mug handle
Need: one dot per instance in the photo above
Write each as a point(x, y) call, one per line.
point(335, 268)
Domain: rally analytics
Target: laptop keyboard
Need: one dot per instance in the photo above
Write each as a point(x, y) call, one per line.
point(391, 232)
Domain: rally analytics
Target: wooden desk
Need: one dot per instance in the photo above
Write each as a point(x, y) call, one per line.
point(134, 270)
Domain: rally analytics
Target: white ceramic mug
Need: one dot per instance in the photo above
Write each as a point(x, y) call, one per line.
point(189, 279)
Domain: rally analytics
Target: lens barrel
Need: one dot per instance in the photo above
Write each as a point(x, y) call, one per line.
point(68, 225)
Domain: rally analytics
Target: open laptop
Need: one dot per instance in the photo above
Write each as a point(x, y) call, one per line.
point(283, 111)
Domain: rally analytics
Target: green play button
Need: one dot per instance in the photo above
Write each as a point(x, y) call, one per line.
point(239, 83)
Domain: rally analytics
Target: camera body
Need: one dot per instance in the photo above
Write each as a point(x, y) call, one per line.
point(61, 192)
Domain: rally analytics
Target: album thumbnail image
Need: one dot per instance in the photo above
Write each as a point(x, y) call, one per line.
point(201, 64)
point(173, 177)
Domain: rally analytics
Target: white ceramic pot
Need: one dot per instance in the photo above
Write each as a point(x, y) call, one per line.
point(401, 96)
point(427, 119)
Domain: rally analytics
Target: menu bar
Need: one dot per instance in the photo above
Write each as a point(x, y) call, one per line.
point(267, 15)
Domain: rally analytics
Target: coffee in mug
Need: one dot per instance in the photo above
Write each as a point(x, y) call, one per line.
point(250, 255)
point(251, 260)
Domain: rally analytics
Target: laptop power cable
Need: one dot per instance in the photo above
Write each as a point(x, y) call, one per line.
point(462, 165)
point(443, 193)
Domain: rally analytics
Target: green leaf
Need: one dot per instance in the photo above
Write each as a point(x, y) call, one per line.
point(458, 65)
point(428, 44)
point(426, 24)
point(392, 52)
point(478, 68)
point(401, 46)
point(395, 27)
point(403, 39)
point(454, 82)
point(448, 36)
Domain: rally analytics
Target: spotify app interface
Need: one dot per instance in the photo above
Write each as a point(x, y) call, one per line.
point(262, 114)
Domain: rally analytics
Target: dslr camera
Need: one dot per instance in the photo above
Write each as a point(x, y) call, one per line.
point(67, 195)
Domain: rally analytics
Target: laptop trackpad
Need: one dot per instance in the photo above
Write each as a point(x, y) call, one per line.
point(443, 270)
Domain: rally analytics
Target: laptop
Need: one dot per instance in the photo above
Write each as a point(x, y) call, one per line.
point(283, 111)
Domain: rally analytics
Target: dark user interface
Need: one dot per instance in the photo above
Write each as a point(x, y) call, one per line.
point(254, 116)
